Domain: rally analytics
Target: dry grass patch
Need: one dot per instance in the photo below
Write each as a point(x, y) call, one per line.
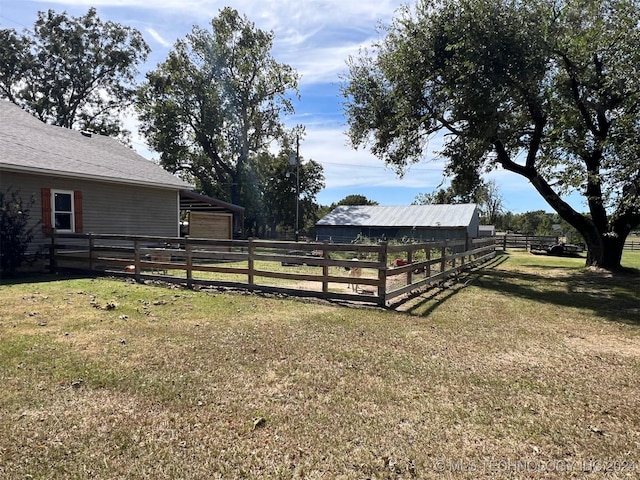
point(179, 384)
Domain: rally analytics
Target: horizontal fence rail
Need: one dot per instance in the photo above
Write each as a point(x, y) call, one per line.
point(632, 245)
point(370, 273)
point(524, 241)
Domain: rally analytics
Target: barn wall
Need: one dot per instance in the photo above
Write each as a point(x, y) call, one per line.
point(346, 234)
point(472, 229)
point(106, 207)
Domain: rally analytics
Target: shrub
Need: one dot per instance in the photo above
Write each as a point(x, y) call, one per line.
point(15, 234)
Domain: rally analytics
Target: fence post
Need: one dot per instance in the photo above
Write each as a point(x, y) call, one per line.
point(443, 257)
point(467, 245)
point(136, 259)
point(91, 246)
point(382, 273)
point(427, 254)
point(189, 261)
point(52, 253)
point(251, 249)
point(409, 261)
point(325, 268)
point(504, 243)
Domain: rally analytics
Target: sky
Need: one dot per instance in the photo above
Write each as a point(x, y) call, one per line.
point(316, 37)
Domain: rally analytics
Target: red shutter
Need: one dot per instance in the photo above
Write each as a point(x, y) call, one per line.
point(77, 210)
point(45, 193)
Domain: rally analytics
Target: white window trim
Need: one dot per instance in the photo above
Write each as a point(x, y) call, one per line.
point(53, 211)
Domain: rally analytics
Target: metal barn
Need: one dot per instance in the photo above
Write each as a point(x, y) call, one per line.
point(420, 223)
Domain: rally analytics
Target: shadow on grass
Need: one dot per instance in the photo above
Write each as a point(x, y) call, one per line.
point(613, 297)
point(22, 278)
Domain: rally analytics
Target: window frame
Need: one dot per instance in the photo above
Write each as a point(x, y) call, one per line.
point(71, 213)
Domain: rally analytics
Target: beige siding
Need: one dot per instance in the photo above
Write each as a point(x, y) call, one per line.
point(107, 207)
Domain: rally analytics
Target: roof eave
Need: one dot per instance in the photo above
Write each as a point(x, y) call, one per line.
point(96, 178)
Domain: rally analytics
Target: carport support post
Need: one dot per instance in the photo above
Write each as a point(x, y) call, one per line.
point(382, 273)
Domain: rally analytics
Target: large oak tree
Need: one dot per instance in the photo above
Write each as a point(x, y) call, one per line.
point(216, 101)
point(74, 72)
point(546, 89)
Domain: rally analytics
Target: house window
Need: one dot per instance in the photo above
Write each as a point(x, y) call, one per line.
point(62, 215)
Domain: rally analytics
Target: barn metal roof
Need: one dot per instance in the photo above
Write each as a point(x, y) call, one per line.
point(29, 145)
point(435, 216)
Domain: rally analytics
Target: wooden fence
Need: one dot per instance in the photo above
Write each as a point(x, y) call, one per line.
point(523, 241)
point(527, 241)
point(632, 245)
point(370, 273)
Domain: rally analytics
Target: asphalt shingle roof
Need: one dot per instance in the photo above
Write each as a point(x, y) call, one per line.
point(27, 144)
point(459, 215)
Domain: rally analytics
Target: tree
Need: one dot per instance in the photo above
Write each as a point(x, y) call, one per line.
point(490, 202)
point(15, 233)
point(546, 89)
point(353, 200)
point(216, 101)
point(272, 207)
point(74, 72)
point(441, 196)
point(486, 195)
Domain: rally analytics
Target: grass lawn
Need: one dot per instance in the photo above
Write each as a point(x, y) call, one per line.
point(528, 368)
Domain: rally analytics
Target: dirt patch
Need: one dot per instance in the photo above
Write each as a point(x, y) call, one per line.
point(604, 345)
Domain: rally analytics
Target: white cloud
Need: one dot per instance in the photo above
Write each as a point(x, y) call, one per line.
point(158, 38)
point(344, 166)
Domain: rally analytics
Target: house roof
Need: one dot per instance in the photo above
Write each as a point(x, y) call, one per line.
point(435, 216)
point(29, 145)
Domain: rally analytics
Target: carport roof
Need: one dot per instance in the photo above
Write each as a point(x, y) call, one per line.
point(196, 202)
point(434, 216)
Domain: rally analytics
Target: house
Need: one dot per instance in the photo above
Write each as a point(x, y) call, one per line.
point(83, 182)
point(416, 222)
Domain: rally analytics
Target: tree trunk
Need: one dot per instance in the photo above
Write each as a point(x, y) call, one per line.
point(604, 248)
point(606, 252)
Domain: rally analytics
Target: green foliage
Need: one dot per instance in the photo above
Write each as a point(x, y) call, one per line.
point(545, 89)
point(353, 200)
point(537, 222)
point(485, 194)
point(215, 103)
point(15, 233)
point(74, 72)
point(271, 209)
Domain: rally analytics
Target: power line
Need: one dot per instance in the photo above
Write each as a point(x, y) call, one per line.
point(13, 21)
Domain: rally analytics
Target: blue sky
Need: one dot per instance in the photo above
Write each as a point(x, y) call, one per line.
point(315, 37)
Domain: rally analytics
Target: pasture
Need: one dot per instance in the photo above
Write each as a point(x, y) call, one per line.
point(526, 368)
